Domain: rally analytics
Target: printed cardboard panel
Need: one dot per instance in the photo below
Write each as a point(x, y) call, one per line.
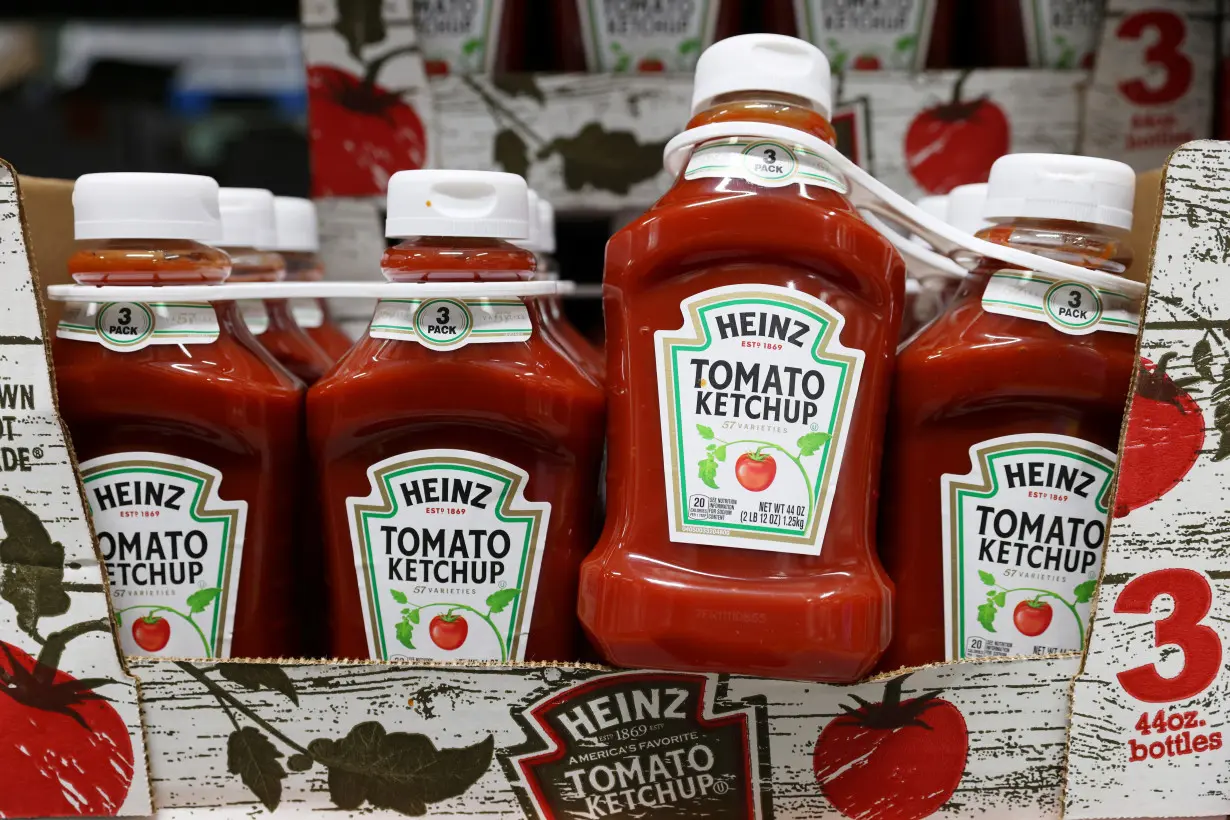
point(1153, 83)
point(1148, 713)
point(561, 742)
point(70, 725)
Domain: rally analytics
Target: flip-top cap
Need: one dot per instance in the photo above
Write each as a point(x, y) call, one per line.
point(295, 221)
point(146, 206)
point(966, 205)
point(1061, 186)
point(763, 62)
point(247, 218)
point(532, 242)
point(546, 226)
point(457, 203)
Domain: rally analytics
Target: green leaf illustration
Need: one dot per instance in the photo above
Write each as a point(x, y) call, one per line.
point(608, 160)
point(413, 616)
point(1202, 358)
point(906, 43)
point(200, 600)
point(810, 443)
point(1000, 598)
point(399, 596)
point(511, 152)
point(399, 771)
point(32, 579)
point(257, 676)
point(299, 763)
point(1084, 591)
point(472, 46)
point(705, 432)
point(499, 600)
point(708, 472)
point(987, 578)
point(254, 758)
point(692, 44)
point(986, 616)
point(720, 453)
point(405, 634)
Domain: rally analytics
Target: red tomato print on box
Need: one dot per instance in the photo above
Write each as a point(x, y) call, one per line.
point(893, 760)
point(956, 143)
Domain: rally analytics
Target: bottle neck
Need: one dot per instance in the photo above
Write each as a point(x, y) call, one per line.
point(1093, 247)
point(302, 266)
point(147, 262)
point(251, 265)
point(767, 107)
point(457, 259)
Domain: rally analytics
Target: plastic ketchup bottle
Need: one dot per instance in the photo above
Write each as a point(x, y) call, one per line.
point(298, 243)
point(187, 432)
point(605, 36)
point(248, 231)
point(555, 324)
point(1005, 424)
point(752, 318)
point(457, 445)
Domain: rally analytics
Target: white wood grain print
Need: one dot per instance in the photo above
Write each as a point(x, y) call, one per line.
point(357, 736)
point(1149, 713)
point(70, 729)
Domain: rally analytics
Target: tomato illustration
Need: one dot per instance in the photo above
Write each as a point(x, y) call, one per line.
point(436, 68)
point(448, 631)
point(360, 134)
point(1165, 433)
point(151, 632)
point(893, 760)
point(956, 143)
point(866, 62)
point(651, 64)
point(1032, 617)
point(755, 471)
point(75, 754)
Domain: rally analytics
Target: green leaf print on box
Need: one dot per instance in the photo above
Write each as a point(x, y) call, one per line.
point(173, 550)
point(1023, 535)
point(756, 393)
point(448, 551)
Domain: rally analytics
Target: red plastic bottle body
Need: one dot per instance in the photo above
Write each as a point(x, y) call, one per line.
point(729, 596)
point(187, 451)
point(443, 427)
point(313, 314)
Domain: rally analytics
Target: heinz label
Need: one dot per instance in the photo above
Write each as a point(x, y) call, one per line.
point(892, 34)
point(1024, 533)
point(448, 550)
point(756, 392)
point(649, 745)
point(173, 550)
point(1061, 33)
point(657, 35)
point(458, 36)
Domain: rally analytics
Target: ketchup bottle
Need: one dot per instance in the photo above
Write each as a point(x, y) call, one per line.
point(555, 323)
point(1005, 423)
point(1036, 33)
point(298, 243)
point(187, 432)
point(248, 231)
point(457, 445)
point(471, 36)
point(908, 35)
point(752, 318)
point(604, 36)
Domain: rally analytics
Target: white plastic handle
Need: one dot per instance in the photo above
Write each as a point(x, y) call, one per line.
point(227, 292)
point(868, 194)
point(920, 261)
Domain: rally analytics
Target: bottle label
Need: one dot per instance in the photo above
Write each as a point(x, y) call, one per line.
point(307, 313)
point(254, 315)
point(868, 36)
point(652, 36)
point(447, 324)
point(1071, 307)
point(762, 162)
point(173, 548)
point(129, 326)
point(448, 551)
point(1061, 33)
point(756, 393)
point(1023, 539)
point(458, 36)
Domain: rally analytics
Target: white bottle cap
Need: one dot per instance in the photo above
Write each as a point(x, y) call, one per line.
point(295, 219)
point(457, 203)
point(532, 242)
point(546, 226)
point(966, 207)
point(937, 206)
point(1060, 186)
point(763, 62)
point(247, 218)
point(146, 206)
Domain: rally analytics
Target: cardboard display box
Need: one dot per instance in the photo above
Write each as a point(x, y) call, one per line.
point(1005, 738)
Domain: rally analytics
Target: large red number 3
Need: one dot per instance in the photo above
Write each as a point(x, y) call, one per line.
point(1200, 644)
point(1171, 31)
